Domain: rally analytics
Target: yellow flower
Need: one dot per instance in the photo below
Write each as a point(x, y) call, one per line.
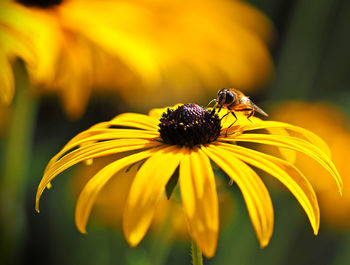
point(70, 46)
point(59, 57)
point(189, 137)
point(331, 124)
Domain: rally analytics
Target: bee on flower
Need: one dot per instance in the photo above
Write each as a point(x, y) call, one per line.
point(188, 137)
point(234, 100)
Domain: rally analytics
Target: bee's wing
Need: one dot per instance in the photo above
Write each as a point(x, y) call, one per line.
point(259, 110)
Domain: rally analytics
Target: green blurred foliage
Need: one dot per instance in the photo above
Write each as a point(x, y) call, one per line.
point(312, 57)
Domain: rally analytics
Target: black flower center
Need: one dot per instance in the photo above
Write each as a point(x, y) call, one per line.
point(189, 125)
point(40, 3)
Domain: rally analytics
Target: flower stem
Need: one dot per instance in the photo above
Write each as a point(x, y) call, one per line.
point(15, 166)
point(196, 254)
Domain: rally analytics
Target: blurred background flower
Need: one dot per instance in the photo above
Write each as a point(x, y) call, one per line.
point(174, 50)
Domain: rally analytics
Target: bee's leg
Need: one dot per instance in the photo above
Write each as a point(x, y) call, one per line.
point(230, 111)
point(213, 100)
point(220, 108)
point(213, 110)
point(224, 116)
point(251, 113)
point(234, 115)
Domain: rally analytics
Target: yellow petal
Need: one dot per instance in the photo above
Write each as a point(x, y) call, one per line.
point(230, 121)
point(294, 144)
point(136, 120)
point(84, 153)
point(286, 173)
point(7, 85)
point(157, 112)
point(12, 45)
point(91, 136)
point(91, 190)
point(40, 31)
point(90, 132)
point(112, 134)
point(75, 75)
point(93, 150)
point(289, 155)
point(255, 194)
point(199, 197)
point(310, 136)
point(117, 36)
point(146, 189)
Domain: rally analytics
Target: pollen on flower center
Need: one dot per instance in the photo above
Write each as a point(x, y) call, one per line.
point(189, 125)
point(40, 3)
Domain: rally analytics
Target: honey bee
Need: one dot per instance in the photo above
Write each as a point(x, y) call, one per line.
point(234, 100)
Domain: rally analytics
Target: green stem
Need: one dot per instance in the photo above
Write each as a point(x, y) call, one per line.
point(196, 254)
point(15, 166)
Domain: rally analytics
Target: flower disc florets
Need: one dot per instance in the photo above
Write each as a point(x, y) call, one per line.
point(40, 3)
point(189, 125)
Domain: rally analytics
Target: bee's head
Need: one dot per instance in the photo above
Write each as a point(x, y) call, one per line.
point(225, 97)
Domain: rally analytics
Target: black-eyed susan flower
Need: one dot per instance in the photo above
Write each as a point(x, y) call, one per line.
point(188, 138)
point(71, 47)
point(319, 118)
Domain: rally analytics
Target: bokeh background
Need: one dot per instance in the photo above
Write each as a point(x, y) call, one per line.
point(66, 65)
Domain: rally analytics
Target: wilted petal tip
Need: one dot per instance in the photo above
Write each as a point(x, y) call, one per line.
point(37, 206)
